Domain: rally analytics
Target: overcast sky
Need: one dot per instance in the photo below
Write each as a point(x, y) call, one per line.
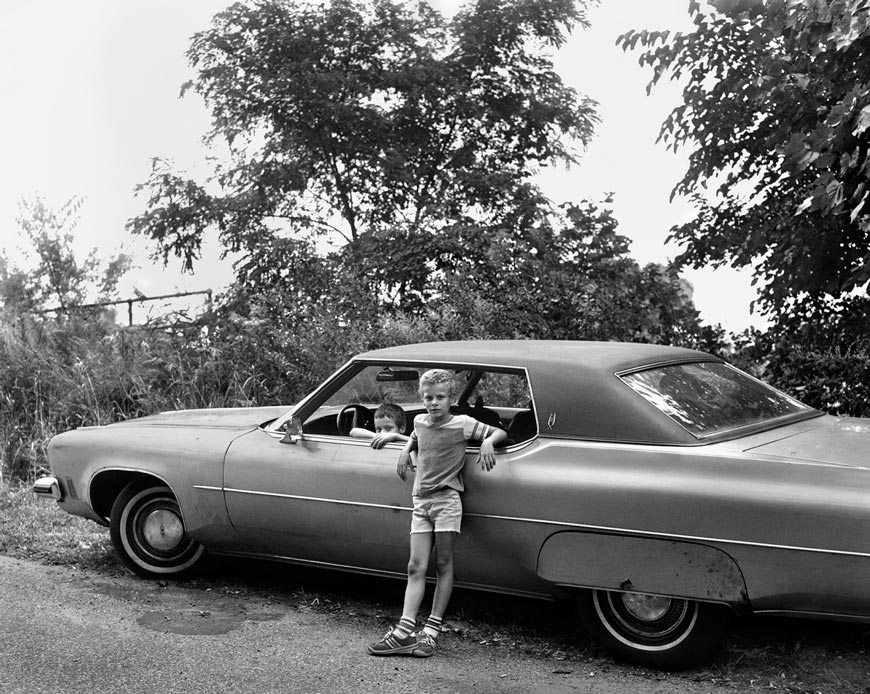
point(90, 90)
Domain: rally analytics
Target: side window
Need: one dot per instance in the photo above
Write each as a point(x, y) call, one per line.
point(498, 398)
point(352, 406)
point(502, 399)
point(502, 390)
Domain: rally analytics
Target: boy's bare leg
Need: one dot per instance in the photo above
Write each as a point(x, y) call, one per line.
point(428, 637)
point(444, 544)
point(421, 548)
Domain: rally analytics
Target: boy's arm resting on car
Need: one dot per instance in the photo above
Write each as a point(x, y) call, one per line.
point(405, 458)
point(384, 437)
point(487, 448)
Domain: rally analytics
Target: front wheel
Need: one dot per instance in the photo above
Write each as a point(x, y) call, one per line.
point(148, 532)
point(654, 631)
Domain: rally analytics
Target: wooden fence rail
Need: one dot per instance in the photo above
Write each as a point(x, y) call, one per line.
point(129, 302)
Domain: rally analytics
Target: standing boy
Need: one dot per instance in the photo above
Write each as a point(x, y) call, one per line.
point(439, 438)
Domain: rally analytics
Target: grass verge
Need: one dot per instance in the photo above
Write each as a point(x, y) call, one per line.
point(36, 529)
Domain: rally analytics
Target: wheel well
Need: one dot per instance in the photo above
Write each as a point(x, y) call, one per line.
point(106, 486)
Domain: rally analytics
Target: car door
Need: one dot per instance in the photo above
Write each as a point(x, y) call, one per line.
point(331, 499)
point(324, 499)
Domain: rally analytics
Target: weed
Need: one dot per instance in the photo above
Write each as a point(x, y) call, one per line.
point(33, 528)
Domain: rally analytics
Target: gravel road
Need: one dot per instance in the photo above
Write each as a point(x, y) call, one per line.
point(66, 630)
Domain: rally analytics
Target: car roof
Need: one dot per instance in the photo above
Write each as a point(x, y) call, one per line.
point(609, 356)
point(575, 390)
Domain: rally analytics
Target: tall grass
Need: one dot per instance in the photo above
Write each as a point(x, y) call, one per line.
point(63, 373)
point(60, 374)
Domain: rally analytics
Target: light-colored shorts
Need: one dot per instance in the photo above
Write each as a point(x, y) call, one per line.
point(440, 512)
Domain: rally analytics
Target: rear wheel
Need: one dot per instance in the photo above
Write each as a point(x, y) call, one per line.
point(654, 631)
point(148, 533)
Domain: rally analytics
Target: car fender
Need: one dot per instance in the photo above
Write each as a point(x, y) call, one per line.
point(642, 565)
point(95, 463)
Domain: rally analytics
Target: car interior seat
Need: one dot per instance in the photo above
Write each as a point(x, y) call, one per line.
point(523, 426)
point(484, 414)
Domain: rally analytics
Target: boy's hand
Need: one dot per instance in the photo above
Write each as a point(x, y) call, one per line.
point(487, 448)
point(380, 440)
point(403, 465)
point(487, 455)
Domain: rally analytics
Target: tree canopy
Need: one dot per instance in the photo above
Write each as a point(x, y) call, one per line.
point(380, 125)
point(383, 161)
point(776, 114)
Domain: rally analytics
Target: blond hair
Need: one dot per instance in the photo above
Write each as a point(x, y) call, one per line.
point(435, 377)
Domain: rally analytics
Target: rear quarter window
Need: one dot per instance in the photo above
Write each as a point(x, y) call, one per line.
point(709, 398)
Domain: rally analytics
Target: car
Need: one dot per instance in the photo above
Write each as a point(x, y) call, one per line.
point(660, 488)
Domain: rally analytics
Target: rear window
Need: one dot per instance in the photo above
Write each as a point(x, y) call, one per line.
point(709, 398)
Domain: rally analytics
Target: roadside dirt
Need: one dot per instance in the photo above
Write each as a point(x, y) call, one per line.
point(72, 630)
point(313, 627)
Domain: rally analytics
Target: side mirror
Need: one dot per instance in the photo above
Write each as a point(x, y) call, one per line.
point(292, 430)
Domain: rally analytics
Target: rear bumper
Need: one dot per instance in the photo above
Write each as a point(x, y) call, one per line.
point(48, 487)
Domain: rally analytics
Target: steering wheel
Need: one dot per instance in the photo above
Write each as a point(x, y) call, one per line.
point(361, 417)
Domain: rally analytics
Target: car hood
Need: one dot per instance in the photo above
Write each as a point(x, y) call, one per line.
point(223, 418)
point(835, 441)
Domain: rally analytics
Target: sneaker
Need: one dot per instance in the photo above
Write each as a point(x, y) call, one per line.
point(425, 645)
point(393, 644)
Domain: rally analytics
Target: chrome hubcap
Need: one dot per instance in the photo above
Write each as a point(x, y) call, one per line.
point(163, 530)
point(647, 608)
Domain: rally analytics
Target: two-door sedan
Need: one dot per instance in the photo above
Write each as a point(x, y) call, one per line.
point(662, 489)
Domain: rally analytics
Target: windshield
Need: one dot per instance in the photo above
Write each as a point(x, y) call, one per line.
point(708, 398)
point(366, 388)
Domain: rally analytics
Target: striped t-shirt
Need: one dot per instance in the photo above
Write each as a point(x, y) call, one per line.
point(441, 451)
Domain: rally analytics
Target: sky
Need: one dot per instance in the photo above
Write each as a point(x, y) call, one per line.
point(89, 94)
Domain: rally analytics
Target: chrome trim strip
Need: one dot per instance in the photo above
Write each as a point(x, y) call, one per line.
point(338, 502)
point(387, 574)
point(393, 445)
point(672, 536)
point(328, 565)
point(837, 616)
point(563, 524)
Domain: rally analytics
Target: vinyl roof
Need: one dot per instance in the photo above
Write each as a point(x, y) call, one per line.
point(575, 390)
point(607, 356)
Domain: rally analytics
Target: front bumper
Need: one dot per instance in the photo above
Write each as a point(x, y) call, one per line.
point(48, 487)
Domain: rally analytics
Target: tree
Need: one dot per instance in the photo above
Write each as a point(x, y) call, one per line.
point(570, 277)
point(56, 277)
point(776, 111)
point(379, 125)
